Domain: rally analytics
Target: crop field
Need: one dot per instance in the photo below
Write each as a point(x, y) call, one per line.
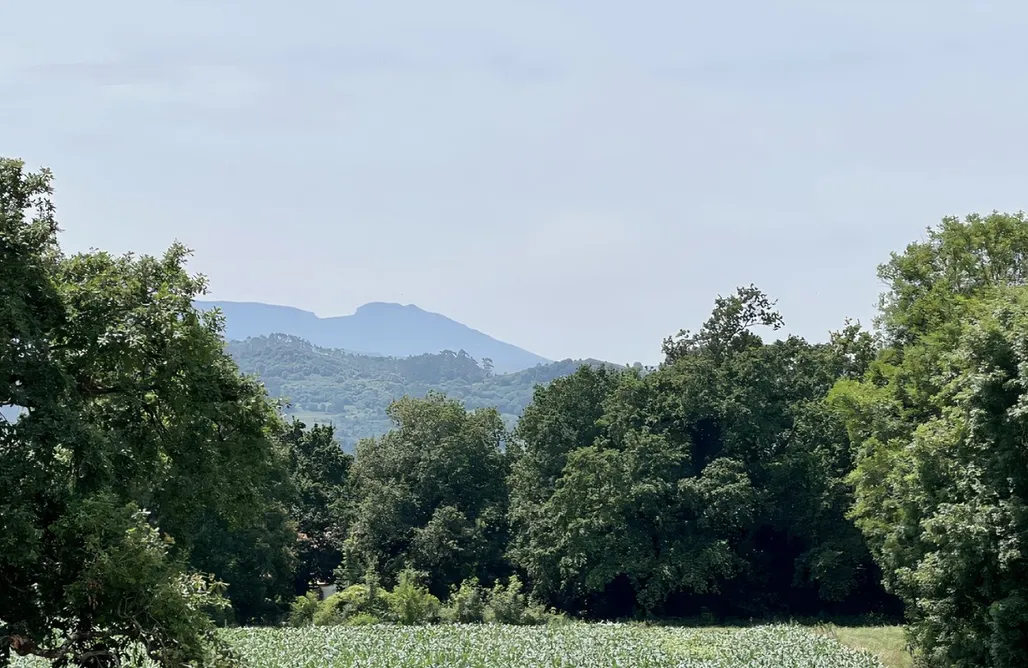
point(566, 646)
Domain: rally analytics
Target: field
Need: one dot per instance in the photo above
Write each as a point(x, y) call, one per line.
point(565, 646)
point(888, 643)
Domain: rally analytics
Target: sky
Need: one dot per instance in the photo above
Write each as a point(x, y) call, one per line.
point(579, 178)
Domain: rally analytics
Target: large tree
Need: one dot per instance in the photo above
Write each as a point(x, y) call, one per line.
point(715, 481)
point(319, 470)
point(939, 420)
point(564, 417)
point(140, 451)
point(430, 495)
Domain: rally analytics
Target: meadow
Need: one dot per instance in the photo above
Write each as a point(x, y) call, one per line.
point(570, 645)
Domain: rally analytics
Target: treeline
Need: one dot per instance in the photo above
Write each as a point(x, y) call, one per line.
point(713, 485)
point(150, 491)
point(744, 478)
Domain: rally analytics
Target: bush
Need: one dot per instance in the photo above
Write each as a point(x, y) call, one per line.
point(303, 609)
point(466, 604)
point(410, 602)
point(509, 605)
point(551, 617)
point(363, 619)
point(354, 600)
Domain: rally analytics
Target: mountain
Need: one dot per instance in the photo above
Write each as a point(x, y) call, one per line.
point(352, 391)
point(391, 330)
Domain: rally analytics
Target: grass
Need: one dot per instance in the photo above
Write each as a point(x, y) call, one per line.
point(888, 643)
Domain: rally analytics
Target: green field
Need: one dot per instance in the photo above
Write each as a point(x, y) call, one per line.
point(565, 646)
point(888, 643)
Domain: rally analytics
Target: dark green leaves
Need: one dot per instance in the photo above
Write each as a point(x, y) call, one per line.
point(144, 460)
point(941, 470)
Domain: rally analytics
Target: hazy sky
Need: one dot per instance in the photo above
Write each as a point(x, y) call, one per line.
point(577, 178)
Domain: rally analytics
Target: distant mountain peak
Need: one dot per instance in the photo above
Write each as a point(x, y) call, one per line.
point(375, 328)
point(372, 307)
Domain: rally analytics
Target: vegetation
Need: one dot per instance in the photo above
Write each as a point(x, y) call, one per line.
point(318, 469)
point(429, 496)
point(145, 472)
point(352, 391)
point(714, 483)
point(151, 491)
point(888, 643)
point(938, 426)
point(496, 646)
point(579, 645)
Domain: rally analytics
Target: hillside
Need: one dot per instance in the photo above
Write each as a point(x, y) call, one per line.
point(391, 330)
point(352, 391)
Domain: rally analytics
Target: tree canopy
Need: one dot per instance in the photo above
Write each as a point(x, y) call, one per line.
point(715, 482)
point(937, 424)
point(320, 471)
point(144, 467)
point(430, 495)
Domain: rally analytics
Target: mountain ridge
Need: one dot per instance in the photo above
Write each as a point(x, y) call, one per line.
point(386, 329)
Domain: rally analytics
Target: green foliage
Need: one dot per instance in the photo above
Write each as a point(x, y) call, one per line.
point(718, 480)
point(319, 471)
point(410, 602)
point(466, 604)
point(579, 645)
point(144, 457)
point(430, 495)
point(363, 619)
point(563, 418)
point(508, 604)
point(354, 600)
point(353, 391)
point(729, 328)
point(941, 476)
point(303, 608)
point(959, 261)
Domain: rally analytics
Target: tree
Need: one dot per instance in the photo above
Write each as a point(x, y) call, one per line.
point(729, 327)
point(958, 261)
point(715, 481)
point(430, 495)
point(563, 417)
point(941, 475)
point(139, 431)
point(319, 470)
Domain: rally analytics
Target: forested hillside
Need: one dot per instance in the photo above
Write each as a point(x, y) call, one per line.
point(353, 391)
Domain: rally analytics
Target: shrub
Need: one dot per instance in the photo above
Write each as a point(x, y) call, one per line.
point(303, 609)
point(554, 618)
point(509, 605)
point(363, 619)
point(410, 602)
point(354, 600)
point(466, 604)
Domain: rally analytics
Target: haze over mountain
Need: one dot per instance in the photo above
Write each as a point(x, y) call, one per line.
point(378, 328)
